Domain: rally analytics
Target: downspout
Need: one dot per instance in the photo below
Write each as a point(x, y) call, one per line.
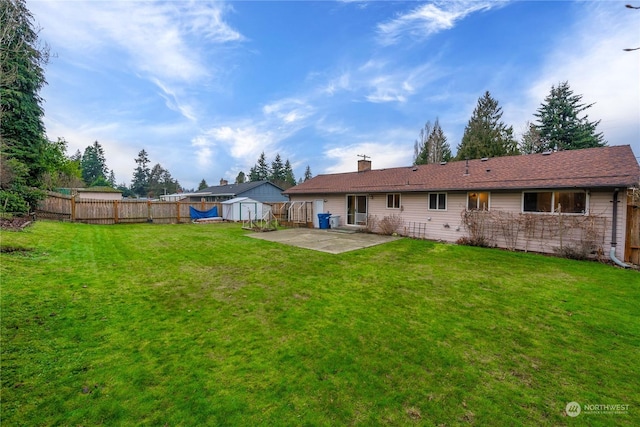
point(614, 222)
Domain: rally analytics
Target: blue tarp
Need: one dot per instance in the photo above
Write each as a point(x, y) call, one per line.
point(196, 214)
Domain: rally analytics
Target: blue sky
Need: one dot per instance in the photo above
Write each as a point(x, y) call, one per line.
point(205, 87)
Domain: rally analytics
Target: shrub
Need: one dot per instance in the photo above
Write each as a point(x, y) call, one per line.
point(475, 241)
point(390, 224)
point(11, 202)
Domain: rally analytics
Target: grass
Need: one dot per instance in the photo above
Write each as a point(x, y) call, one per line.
point(200, 325)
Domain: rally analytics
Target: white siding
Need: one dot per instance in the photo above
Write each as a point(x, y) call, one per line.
point(448, 225)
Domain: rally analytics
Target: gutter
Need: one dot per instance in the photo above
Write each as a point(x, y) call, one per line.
point(614, 225)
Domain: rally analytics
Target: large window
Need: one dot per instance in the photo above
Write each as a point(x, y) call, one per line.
point(478, 201)
point(555, 201)
point(437, 201)
point(393, 201)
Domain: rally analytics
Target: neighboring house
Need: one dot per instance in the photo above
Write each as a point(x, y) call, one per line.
point(538, 202)
point(261, 191)
point(93, 193)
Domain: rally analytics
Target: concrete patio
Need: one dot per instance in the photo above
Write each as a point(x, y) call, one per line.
point(331, 241)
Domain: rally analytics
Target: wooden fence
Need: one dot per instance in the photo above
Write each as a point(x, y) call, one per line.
point(90, 211)
point(632, 248)
point(67, 208)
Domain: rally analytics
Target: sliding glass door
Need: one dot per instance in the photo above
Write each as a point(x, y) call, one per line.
point(357, 210)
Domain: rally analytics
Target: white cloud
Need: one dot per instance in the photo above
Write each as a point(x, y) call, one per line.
point(154, 38)
point(591, 59)
point(385, 149)
point(340, 83)
point(244, 141)
point(288, 111)
point(430, 18)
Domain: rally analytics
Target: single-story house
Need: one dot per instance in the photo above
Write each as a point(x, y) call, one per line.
point(261, 191)
point(549, 202)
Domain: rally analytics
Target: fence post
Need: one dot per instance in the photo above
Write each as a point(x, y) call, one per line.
point(178, 212)
point(115, 211)
point(149, 217)
point(202, 203)
point(73, 209)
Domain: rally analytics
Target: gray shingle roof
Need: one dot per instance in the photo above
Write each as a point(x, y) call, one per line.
point(234, 189)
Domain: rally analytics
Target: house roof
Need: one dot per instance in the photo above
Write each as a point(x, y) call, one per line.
point(614, 166)
point(234, 189)
point(98, 190)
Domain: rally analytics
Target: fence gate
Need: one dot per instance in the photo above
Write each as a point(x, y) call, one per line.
point(632, 247)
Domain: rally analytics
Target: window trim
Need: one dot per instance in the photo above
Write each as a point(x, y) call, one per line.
point(553, 202)
point(480, 192)
point(446, 201)
point(399, 196)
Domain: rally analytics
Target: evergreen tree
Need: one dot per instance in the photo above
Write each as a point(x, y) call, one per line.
point(486, 135)
point(241, 178)
point(140, 182)
point(253, 174)
point(203, 184)
point(289, 177)
point(277, 170)
point(22, 61)
point(25, 152)
point(307, 173)
point(432, 145)
point(112, 179)
point(94, 164)
point(161, 182)
point(262, 169)
point(126, 191)
point(560, 126)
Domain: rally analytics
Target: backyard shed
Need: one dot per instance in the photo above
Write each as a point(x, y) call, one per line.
point(243, 209)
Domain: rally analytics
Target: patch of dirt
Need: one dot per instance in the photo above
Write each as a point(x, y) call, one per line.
point(15, 224)
point(8, 249)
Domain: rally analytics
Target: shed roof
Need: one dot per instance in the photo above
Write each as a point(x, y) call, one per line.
point(239, 200)
point(614, 166)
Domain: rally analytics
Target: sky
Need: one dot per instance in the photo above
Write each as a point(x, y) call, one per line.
point(205, 87)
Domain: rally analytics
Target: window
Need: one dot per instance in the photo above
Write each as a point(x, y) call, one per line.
point(393, 201)
point(478, 201)
point(538, 202)
point(567, 202)
point(562, 201)
point(438, 201)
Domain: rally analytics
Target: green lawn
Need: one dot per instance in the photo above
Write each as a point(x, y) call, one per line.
point(201, 325)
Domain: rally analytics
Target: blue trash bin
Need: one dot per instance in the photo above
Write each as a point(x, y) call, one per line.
point(323, 219)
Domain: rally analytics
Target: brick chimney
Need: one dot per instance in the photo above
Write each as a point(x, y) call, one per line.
point(364, 165)
point(223, 182)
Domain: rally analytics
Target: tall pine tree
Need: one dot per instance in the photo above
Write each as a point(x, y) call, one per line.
point(560, 125)
point(307, 174)
point(289, 177)
point(94, 165)
point(22, 61)
point(486, 135)
point(141, 175)
point(277, 170)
